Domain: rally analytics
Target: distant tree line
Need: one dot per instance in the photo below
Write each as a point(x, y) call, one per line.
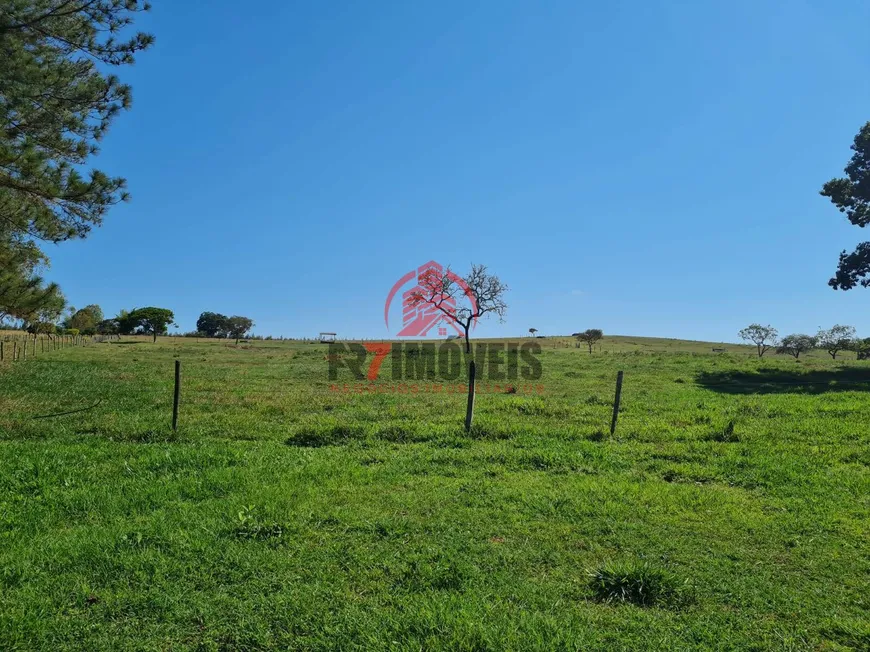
point(834, 340)
point(149, 320)
point(89, 321)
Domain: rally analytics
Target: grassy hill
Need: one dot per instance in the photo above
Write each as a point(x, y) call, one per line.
point(729, 511)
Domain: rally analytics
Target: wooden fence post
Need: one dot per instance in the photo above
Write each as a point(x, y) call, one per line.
point(14, 350)
point(469, 408)
point(177, 395)
point(616, 400)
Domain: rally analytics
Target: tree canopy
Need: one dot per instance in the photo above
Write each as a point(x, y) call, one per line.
point(148, 321)
point(851, 194)
point(837, 338)
point(862, 348)
point(214, 324)
point(23, 293)
point(763, 337)
point(590, 336)
point(57, 100)
point(108, 327)
point(85, 320)
point(238, 327)
point(794, 345)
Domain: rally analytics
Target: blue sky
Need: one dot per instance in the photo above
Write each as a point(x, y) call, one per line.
point(648, 168)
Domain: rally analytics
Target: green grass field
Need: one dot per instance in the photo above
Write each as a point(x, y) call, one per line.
point(730, 510)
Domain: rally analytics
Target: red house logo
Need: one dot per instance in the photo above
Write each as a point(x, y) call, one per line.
point(419, 318)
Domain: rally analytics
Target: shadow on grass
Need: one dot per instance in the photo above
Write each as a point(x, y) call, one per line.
point(126, 343)
point(783, 381)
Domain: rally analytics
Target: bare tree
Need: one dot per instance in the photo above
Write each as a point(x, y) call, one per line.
point(763, 337)
point(590, 337)
point(463, 301)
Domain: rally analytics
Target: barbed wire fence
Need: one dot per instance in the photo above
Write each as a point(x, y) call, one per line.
point(169, 396)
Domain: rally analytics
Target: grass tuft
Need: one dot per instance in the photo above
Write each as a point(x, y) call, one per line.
point(726, 435)
point(251, 526)
point(335, 434)
point(636, 582)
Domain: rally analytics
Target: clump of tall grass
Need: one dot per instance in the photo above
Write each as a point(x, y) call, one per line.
point(637, 582)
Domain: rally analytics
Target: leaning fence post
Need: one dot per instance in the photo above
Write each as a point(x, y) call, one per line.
point(616, 400)
point(177, 395)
